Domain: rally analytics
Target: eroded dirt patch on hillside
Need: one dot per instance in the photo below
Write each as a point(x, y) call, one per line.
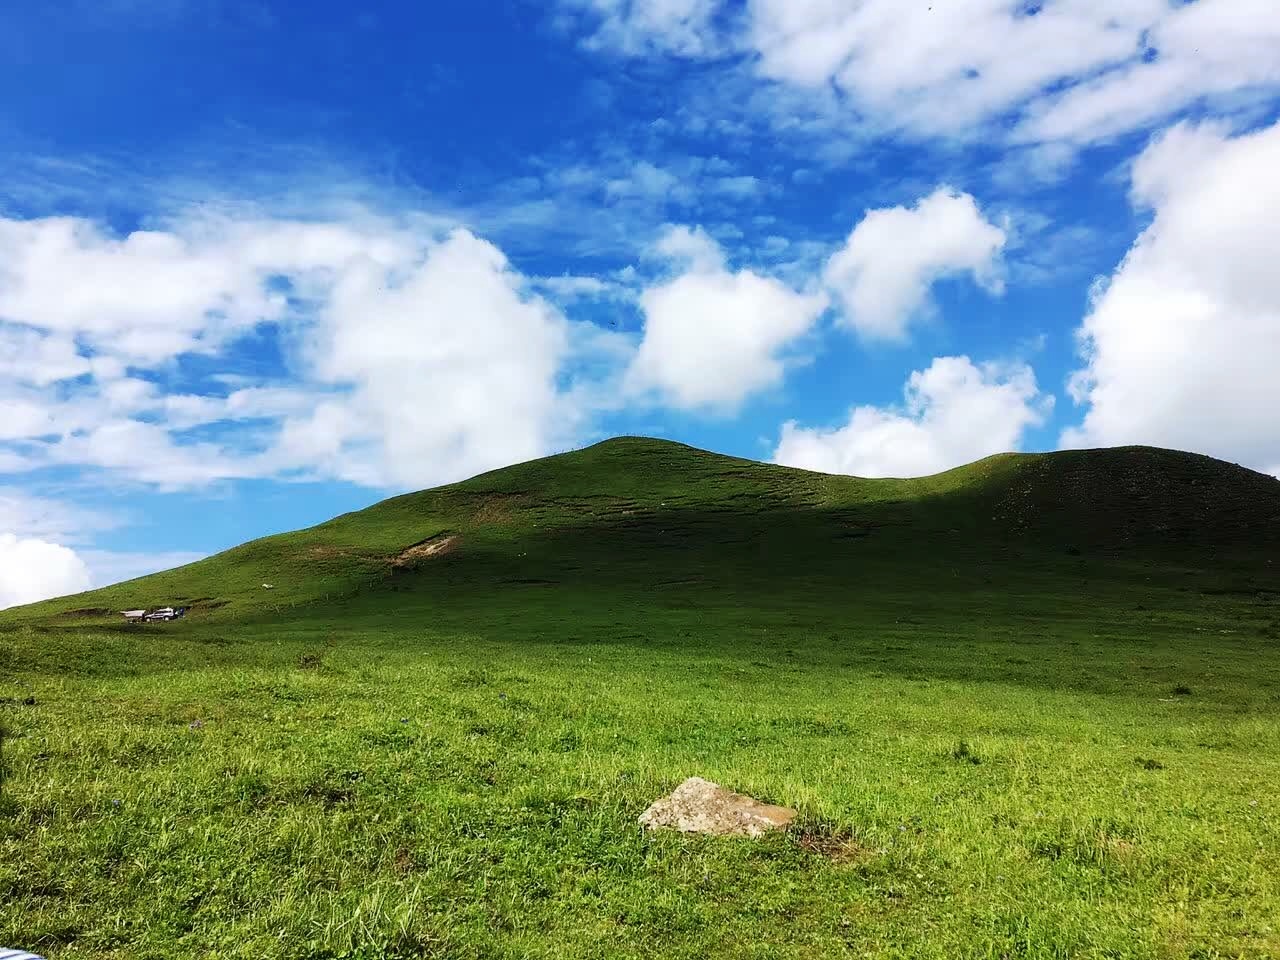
point(431, 547)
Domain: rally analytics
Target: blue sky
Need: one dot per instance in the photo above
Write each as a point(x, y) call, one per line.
point(262, 263)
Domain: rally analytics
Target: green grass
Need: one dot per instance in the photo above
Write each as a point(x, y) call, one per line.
point(1030, 708)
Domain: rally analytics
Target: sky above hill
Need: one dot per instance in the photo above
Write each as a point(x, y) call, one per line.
point(266, 262)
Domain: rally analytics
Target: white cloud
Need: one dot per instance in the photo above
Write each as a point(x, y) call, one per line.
point(1182, 345)
point(1200, 50)
point(603, 200)
point(955, 413)
point(713, 337)
point(644, 179)
point(184, 411)
point(739, 187)
point(1063, 71)
point(414, 358)
point(46, 531)
point(145, 297)
point(637, 26)
point(31, 516)
point(696, 247)
point(452, 368)
point(884, 272)
point(32, 570)
point(39, 358)
point(944, 68)
point(25, 415)
point(146, 452)
point(569, 287)
point(153, 294)
point(615, 286)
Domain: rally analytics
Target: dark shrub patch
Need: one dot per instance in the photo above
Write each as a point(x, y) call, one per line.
point(964, 753)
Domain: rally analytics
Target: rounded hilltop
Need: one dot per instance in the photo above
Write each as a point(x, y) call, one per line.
point(632, 512)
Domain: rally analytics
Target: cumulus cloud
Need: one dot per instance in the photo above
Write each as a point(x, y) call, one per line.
point(955, 412)
point(47, 533)
point(1182, 344)
point(32, 570)
point(453, 364)
point(415, 357)
point(39, 358)
point(712, 336)
point(70, 288)
point(893, 257)
point(144, 297)
point(1064, 71)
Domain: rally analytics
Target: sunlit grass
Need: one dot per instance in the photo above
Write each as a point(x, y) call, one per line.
point(418, 793)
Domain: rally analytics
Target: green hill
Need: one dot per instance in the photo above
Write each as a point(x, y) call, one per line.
point(1029, 708)
point(640, 514)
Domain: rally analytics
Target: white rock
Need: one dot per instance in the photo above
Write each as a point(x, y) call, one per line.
point(700, 806)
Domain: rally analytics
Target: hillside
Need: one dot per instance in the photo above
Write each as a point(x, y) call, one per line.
point(1028, 708)
point(637, 514)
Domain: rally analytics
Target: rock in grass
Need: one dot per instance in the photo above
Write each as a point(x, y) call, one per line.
point(700, 806)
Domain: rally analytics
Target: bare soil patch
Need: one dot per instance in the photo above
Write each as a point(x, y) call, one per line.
point(431, 547)
point(836, 846)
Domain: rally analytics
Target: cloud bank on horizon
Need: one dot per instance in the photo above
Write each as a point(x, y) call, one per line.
point(851, 237)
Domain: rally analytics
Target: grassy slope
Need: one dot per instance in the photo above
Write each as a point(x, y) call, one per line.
point(634, 510)
point(449, 757)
